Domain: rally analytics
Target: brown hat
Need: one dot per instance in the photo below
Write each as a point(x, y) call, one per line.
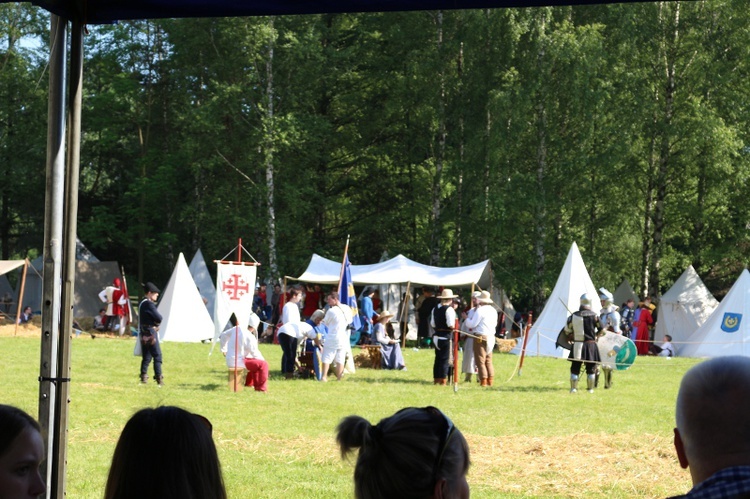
point(446, 294)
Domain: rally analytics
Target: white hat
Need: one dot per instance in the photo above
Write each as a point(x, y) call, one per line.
point(446, 294)
point(476, 294)
point(253, 321)
point(485, 298)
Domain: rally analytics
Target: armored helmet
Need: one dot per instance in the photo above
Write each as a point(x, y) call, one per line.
point(586, 300)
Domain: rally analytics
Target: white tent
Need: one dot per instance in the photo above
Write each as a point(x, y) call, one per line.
point(624, 292)
point(727, 331)
point(399, 269)
point(684, 308)
point(202, 278)
point(185, 317)
point(574, 280)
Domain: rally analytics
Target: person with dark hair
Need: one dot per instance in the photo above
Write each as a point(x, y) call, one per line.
point(240, 349)
point(165, 453)
point(148, 334)
point(26, 315)
point(100, 321)
point(367, 311)
point(337, 320)
point(21, 453)
point(416, 453)
point(712, 437)
point(424, 312)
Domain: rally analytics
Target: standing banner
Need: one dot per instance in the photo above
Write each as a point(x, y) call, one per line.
point(347, 296)
point(235, 284)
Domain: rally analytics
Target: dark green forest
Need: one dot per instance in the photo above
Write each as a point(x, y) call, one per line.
point(448, 136)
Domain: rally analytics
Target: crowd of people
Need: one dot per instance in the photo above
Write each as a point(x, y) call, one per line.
point(169, 452)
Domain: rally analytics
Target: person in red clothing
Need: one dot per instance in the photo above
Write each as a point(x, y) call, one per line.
point(312, 301)
point(643, 326)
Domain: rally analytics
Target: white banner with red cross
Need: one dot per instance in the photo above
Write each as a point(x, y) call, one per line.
point(235, 285)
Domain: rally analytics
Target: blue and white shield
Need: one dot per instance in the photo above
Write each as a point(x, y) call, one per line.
point(731, 322)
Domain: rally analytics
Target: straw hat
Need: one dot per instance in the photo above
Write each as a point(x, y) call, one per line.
point(446, 294)
point(484, 298)
point(385, 315)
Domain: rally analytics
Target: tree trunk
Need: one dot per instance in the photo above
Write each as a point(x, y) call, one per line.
point(440, 156)
point(268, 151)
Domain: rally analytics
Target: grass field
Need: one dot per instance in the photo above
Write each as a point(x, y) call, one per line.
point(528, 436)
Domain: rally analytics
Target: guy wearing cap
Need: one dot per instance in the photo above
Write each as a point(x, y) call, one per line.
point(241, 350)
point(148, 334)
point(483, 323)
point(443, 321)
point(609, 319)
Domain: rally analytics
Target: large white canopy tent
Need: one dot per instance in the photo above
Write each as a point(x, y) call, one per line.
point(399, 269)
point(684, 308)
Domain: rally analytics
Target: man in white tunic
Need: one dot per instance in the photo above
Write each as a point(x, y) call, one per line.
point(483, 323)
point(337, 320)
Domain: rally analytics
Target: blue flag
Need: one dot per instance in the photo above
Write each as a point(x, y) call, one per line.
point(347, 296)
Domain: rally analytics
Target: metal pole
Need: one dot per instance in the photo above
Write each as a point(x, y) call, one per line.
point(52, 251)
point(60, 436)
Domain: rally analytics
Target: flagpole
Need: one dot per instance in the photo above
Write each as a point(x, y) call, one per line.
point(343, 266)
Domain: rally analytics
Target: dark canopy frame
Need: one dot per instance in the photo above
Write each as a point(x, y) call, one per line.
point(63, 160)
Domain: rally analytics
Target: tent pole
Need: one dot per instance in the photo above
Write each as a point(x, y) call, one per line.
point(70, 216)
point(405, 312)
point(52, 250)
point(20, 293)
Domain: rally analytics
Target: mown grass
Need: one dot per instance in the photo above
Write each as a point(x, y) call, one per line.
point(528, 436)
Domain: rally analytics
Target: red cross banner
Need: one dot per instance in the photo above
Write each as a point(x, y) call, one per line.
point(235, 284)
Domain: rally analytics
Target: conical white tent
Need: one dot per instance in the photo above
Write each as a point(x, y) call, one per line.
point(202, 278)
point(727, 331)
point(684, 308)
point(185, 317)
point(624, 292)
point(574, 280)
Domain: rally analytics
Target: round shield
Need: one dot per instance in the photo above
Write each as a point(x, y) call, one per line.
point(616, 351)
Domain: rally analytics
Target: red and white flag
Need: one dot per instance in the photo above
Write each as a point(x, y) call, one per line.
point(235, 284)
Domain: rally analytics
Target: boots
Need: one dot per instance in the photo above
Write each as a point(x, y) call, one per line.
point(607, 379)
point(467, 378)
point(144, 379)
point(440, 381)
point(596, 379)
point(590, 382)
point(573, 383)
point(489, 381)
point(483, 382)
point(160, 380)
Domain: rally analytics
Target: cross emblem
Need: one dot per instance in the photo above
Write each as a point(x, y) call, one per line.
point(235, 287)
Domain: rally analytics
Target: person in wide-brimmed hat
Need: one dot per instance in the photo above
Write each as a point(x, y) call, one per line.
point(483, 322)
point(391, 356)
point(443, 321)
point(468, 365)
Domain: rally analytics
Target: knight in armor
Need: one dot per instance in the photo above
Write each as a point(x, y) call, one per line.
point(609, 320)
point(582, 329)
